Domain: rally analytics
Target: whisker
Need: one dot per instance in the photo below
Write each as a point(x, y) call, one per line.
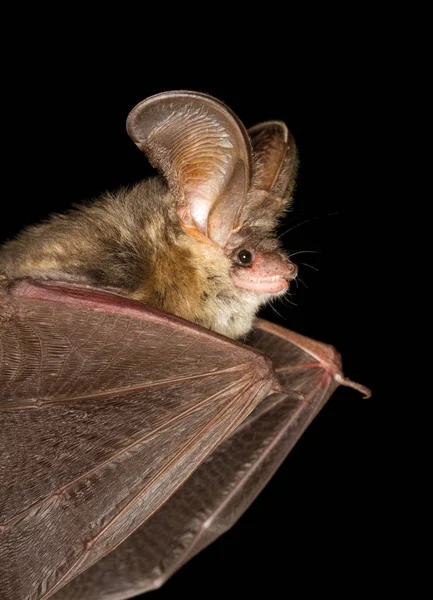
point(276, 312)
point(307, 221)
point(303, 282)
point(285, 298)
point(304, 252)
point(307, 265)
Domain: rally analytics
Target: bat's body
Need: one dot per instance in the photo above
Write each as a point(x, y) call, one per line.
point(132, 242)
point(121, 421)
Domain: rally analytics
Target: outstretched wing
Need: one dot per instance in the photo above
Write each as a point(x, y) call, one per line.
point(106, 408)
point(223, 487)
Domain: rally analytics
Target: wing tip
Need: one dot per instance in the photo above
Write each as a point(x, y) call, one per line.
point(365, 391)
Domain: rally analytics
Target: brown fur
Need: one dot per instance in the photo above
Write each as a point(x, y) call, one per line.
point(132, 242)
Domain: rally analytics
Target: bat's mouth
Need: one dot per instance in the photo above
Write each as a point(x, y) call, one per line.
point(261, 285)
point(268, 274)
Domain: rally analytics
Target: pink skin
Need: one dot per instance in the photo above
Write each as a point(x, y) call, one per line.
point(268, 274)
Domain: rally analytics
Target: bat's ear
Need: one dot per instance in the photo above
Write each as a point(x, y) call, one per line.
point(204, 152)
point(275, 160)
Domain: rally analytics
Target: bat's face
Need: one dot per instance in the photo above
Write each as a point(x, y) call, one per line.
point(229, 187)
point(261, 273)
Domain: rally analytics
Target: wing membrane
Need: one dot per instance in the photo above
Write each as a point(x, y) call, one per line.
point(106, 408)
point(223, 487)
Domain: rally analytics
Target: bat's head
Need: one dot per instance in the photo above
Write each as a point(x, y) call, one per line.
point(229, 187)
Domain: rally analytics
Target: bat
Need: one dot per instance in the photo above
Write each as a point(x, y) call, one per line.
point(129, 413)
point(198, 243)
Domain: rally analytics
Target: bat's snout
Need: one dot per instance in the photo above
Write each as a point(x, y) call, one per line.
point(268, 274)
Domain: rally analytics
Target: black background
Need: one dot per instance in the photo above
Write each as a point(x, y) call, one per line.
point(316, 526)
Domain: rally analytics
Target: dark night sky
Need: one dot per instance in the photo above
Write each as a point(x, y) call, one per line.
point(67, 140)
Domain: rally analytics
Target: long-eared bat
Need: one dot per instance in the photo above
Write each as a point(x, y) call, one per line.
point(128, 412)
point(200, 242)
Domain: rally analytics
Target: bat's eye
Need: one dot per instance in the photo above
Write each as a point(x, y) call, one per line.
point(245, 258)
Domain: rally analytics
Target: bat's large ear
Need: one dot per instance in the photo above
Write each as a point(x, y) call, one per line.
point(204, 152)
point(275, 160)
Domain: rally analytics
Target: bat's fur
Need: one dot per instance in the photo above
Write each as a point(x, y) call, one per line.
point(132, 241)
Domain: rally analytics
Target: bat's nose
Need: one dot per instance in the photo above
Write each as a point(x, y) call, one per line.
point(272, 264)
point(291, 270)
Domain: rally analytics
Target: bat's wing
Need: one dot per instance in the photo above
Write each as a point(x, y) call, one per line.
point(223, 487)
point(106, 408)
